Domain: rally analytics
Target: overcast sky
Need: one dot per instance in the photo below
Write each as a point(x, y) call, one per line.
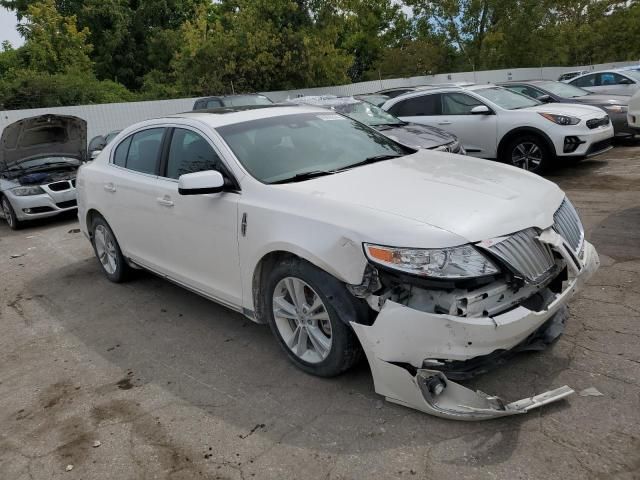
point(8, 31)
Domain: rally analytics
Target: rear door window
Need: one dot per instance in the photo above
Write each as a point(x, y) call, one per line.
point(425, 105)
point(586, 81)
point(144, 151)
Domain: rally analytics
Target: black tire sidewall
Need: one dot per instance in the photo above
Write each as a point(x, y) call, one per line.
point(121, 267)
point(16, 223)
point(542, 145)
point(345, 349)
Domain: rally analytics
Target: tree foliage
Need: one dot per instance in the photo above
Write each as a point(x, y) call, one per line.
point(85, 51)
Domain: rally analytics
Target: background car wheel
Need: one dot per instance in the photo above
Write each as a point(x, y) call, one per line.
point(108, 252)
point(303, 305)
point(528, 152)
point(10, 215)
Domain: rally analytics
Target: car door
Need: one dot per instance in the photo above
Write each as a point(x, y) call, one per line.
point(199, 233)
point(424, 109)
point(616, 84)
point(478, 133)
point(129, 189)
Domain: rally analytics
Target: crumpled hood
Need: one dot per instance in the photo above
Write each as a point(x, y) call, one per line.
point(44, 135)
point(418, 136)
point(572, 109)
point(472, 198)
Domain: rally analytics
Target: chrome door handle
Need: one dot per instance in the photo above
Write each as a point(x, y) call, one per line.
point(110, 187)
point(444, 123)
point(165, 201)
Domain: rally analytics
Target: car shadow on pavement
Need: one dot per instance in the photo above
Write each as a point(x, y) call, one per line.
point(213, 358)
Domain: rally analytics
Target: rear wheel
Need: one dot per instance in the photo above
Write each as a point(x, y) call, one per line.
point(302, 310)
point(529, 152)
point(108, 252)
point(10, 215)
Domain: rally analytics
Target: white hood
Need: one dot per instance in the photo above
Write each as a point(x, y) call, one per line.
point(471, 198)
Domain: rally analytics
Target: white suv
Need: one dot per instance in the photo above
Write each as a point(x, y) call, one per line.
point(493, 122)
point(437, 266)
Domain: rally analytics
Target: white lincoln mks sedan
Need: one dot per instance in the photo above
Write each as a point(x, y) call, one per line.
point(436, 266)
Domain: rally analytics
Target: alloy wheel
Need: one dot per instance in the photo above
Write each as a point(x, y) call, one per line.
point(527, 155)
point(8, 214)
point(106, 249)
point(302, 320)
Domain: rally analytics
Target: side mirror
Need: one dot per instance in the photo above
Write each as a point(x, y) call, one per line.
point(545, 99)
point(200, 183)
point(94, 154)
point(480, 110)
point(625, 81)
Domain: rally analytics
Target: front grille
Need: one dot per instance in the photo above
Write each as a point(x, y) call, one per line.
point(59, 186)
point(567, 224)
point(67, 204)
point(598, 122)
point(525, 254)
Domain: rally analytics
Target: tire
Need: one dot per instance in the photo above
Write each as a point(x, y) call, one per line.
point(529, 152)
point(10, 215)
point(324, 326)
point(108, 252)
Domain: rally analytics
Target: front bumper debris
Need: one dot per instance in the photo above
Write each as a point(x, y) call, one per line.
point(403, 342)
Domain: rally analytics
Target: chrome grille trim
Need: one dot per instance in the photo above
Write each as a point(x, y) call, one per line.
point(567, 224)
point(525, 254)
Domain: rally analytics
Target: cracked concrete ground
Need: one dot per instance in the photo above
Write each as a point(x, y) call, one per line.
point(174, 386)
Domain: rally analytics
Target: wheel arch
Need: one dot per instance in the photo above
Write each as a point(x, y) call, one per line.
point(270, 259)
point(516, 132)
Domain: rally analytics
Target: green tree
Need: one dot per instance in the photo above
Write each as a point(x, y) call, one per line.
point(53, 42)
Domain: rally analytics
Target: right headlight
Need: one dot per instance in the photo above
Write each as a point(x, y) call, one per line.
point(446, 263)
point(25, 191)
point(616, 108)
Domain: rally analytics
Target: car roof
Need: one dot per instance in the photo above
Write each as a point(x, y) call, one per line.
point(235, 95)
point(325, 100)
point(218, 117)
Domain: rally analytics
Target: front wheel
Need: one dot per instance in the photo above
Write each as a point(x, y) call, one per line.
point(10, 215)
point(301, 307)
point(528, 152)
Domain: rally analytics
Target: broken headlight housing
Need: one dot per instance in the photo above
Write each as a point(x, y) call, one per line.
point(25, 191)
point(446, 263)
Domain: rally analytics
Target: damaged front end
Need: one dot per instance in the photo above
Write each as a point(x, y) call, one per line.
point(427, 333)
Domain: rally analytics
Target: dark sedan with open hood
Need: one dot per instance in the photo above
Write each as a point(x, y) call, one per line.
point(410, 134)
point(39, 158)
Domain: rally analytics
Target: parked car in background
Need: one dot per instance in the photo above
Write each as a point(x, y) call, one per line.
point(495, 123)
point(343, 240)
point(572, 74)
point(394, 92)
point(619, 81)
point(39, 157)
point(231, 101)
point(410, 134)
point(548, 91)
point(633, 115)
point(97, 143)
point(373, 99)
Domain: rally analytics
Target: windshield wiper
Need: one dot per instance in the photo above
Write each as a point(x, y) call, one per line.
point(373, 159)
point(299, 177)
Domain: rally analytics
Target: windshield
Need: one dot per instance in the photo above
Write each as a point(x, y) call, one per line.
point(635, 74)
point(242, 100)
point(506, 98)
point(367, 114)
point(278, 148)
point(45, 162)
point(563, 89)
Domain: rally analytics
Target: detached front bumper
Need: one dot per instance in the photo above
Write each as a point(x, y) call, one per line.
point(402, 341)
